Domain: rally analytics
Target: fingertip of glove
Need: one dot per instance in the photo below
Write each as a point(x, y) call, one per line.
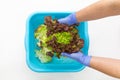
point(60, 20)
point(64, 54)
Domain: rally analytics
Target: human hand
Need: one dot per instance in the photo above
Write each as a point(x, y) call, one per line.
point(79, 56)
point(70, 19)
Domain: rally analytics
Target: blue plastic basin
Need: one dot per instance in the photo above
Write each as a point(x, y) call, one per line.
point(57, 65)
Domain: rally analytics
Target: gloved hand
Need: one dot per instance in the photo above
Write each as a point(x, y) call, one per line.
point(71, 19)
point(80, 57)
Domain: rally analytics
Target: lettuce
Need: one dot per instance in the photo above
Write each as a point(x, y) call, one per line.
point(40, 35)
point(41, 54)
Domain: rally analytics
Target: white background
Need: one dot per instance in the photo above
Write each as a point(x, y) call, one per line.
point(104, 37)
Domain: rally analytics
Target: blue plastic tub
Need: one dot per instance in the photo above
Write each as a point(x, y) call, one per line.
point(57, 65)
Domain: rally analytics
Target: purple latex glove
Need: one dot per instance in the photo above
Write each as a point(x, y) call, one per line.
point(71, 19)
point(80, 57)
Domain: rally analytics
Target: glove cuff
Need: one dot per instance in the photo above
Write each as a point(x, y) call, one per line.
point(85, 60)
point(73, 19)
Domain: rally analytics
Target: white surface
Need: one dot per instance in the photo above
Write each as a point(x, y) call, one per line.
point(104, 39)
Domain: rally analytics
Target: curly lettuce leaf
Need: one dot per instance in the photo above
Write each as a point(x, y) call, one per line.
point(62, 37)
point(40, 32)
point(41, 54)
